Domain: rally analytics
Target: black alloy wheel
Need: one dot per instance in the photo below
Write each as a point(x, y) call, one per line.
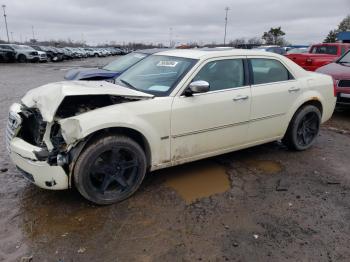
point(110, 170)
point(308, 128)
point(303, 129)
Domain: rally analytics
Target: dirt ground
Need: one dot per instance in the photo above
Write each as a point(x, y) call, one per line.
point(261, 204)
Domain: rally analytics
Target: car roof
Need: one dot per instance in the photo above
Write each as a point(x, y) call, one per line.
point(151, 51)
point(205, 54)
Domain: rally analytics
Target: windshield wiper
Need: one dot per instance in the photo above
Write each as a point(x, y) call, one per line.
point(127, 83)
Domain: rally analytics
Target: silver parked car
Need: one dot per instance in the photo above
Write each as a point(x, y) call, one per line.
point(23, 53)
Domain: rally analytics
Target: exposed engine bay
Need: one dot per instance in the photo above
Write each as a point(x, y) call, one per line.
point(74, 105)
point(54, 148)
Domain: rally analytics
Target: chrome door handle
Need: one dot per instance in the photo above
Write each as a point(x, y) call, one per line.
point(240, 97)
point(293, 89)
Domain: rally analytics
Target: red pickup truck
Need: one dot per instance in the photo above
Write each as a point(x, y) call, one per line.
point(319, 55)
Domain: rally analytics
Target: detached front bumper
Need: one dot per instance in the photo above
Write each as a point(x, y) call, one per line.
point(38, 172)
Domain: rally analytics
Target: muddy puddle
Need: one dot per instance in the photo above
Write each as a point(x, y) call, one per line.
point(197, 180)
point(265, 166)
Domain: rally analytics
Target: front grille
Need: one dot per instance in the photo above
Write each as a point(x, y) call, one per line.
point(33, 127)
point(42, 55)
point(344, 83)
point(13, 125)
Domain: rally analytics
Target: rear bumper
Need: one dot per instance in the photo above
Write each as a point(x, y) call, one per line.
point(38, 172)
point(42, 58)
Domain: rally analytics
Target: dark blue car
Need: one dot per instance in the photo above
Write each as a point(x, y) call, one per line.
point(111, 70)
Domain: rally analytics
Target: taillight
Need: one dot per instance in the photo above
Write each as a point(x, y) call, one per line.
point(335, 87)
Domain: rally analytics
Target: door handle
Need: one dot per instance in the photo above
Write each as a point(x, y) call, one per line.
point(240, 98)
point(293, 89)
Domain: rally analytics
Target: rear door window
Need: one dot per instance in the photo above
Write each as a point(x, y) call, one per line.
point(268, 71)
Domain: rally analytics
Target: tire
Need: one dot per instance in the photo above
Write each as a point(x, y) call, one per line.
point(22, 59)
point(110, 169)
point(303, 128)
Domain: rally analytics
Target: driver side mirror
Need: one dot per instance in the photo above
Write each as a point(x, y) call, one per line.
point(197, 87)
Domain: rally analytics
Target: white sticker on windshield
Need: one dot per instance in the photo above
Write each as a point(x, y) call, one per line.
point(167, 63)
point(139, 56)
point(159, 88)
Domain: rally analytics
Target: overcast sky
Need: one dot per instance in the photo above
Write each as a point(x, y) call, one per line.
point(97, 21)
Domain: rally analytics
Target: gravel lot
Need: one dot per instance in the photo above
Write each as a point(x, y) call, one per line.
point(261, 204)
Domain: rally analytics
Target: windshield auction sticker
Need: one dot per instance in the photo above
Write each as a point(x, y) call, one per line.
point(167, 63)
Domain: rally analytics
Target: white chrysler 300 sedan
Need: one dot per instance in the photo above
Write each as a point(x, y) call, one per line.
point(173, 107)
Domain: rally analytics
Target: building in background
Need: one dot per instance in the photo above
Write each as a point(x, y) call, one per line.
point(344, 37)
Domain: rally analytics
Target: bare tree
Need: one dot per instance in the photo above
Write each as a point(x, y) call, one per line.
point(237, 42)
point(254, 41)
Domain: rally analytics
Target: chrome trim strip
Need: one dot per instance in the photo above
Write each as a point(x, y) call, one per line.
point(266, 117)
point(226, 126)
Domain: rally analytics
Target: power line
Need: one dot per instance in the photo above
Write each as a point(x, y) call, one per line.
point(226, 10)
point(7, 31)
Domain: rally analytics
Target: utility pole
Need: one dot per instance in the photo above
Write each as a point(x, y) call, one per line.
point(33, 32)
point(170, 36)
point(7, 31)
point(226, 10)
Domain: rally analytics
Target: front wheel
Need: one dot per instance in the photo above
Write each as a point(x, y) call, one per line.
point(22, 59)
point(303, 128)
point(110, 170)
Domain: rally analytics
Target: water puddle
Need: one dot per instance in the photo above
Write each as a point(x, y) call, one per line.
point(197, 180)
point(266, 166)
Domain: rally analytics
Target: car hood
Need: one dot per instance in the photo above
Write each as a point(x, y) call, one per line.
point(86, 73)
point(47, 98)
point(337, 71)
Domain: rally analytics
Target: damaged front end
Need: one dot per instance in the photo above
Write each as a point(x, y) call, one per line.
point(25, 141)
point(42, 139)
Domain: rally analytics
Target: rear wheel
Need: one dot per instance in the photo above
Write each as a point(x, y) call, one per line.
point(110, 170)
point(303, 129)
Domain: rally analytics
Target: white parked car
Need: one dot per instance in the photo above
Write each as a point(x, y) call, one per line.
point(171, 108)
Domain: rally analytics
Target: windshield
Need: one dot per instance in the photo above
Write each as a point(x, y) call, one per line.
point(156, 74)
point(124, 62)
point(345, 58)
point(326, 49)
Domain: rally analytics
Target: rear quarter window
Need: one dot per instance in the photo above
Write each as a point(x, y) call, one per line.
point(268, 71)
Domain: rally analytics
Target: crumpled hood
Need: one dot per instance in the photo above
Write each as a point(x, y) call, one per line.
point(47, 98)
point(86, 73)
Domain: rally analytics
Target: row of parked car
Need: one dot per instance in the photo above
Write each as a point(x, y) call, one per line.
point(37, 53)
